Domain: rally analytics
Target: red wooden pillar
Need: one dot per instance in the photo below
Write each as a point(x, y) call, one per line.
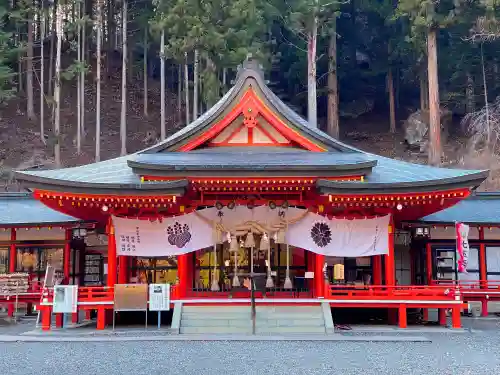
point(319, 282)
point(483, 271)
point(403, 321)
point(123, 270)
point(101, 318)
point(389, 258)
point(425, 315)
point(183, 274)
point(377, 269)
point(67, 255)
point(59, 320)
point(12, 266)
point(46, 317)
point(482, 259)
point(111, 254)
point(455, 317)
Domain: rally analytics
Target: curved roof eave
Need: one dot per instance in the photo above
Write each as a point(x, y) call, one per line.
point(176, 187)
point(471, 180)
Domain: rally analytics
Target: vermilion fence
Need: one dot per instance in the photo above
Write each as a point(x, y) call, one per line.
point(398, 292)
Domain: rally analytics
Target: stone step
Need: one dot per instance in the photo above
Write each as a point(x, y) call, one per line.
point(215, 323)
point(216, 330)
point(284, 330)
point(287, 309)
point(215, 316)
point(246, 322)
point(214, 309)
point(291, 323)
point(247, 315)
point(291, 315)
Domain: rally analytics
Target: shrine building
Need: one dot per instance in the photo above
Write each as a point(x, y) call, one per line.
point(263, 193)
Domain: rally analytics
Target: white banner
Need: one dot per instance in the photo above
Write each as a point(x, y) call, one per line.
point(194, 231)
point(159, 297)
point(173, 236)
point(341, 237)
point(65, 298)
point(462, 231)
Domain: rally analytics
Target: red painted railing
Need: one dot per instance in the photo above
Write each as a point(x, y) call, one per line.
point(95, 294)
point(384, 292)
point(469, 284)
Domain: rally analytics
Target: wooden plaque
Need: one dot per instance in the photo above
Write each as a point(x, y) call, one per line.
point(131, 297)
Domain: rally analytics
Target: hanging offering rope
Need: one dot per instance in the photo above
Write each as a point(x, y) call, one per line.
point(288, 282)
point(215, 283)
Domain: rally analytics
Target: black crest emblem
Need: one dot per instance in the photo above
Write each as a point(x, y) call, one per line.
point(321, 234)
point(178, 235)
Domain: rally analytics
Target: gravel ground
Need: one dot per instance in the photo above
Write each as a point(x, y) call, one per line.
point(470, 353)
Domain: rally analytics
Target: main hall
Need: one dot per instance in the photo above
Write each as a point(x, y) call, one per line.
point(250, 190)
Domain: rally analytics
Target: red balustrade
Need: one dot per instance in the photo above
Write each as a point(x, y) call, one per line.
point(396, 292)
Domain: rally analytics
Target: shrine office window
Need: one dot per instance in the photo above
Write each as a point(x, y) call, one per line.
point(34, 260)
point(493, 263)
point(4, 259)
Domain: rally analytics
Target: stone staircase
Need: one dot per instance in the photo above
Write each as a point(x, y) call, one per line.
point(270, 320)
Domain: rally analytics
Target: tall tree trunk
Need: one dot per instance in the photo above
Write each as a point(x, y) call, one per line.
point(312, 113)
point(186, 86)
point(52, 48)
point(435, 148)
point(57, 88)
point(486, 103)
point(333, 128)
point(195, 85)
point(224, 80)
point(82, 83)
point(392, 102)
point(78, 85)
point(19, 60)
point(424, 91)
point(98, 84)
point(123, 118)
point(130, 60)
point(179, 94)
point(42, 77)
point(111, 36)
point(470, 104)
point(163, 129)
point(29, 69)
point(145, 73)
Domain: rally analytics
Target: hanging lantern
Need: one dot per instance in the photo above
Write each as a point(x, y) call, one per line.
point(234, 244)
point(264, 242)
point(250, 240)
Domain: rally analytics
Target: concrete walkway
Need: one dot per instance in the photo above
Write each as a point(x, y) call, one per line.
point(119, 338)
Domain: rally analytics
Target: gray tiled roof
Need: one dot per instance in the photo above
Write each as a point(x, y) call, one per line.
point(483, 208)
point(253, 160)
point(23, 209)
point(117, 175)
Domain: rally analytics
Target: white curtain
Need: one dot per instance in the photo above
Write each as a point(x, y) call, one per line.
point(341, 237)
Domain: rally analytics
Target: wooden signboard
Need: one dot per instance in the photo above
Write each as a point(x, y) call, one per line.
point(131, 297)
